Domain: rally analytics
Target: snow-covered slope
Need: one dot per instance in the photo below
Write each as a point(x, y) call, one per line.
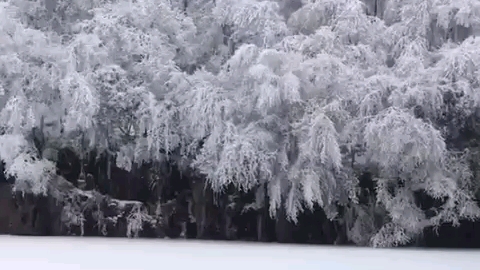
point(104, 254)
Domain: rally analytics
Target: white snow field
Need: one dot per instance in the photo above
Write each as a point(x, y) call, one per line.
point(65, 253)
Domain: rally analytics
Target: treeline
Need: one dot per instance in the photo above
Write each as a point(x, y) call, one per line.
point(328, 122)
point(180, 204)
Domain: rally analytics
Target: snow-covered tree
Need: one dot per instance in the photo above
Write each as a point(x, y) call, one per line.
point(300, 97)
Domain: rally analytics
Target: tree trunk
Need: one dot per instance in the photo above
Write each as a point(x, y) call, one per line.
point(262, 216)
point(283, 227)
point(202, 200)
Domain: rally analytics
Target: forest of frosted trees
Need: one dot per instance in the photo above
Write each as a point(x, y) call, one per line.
point(314, 121)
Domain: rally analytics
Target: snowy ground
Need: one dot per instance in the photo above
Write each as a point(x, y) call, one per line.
point(103, 254)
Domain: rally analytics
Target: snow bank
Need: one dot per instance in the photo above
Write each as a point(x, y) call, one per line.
point(54, 253)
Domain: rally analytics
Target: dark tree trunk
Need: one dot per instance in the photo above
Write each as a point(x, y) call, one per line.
point(283, 227)
point(263, 216)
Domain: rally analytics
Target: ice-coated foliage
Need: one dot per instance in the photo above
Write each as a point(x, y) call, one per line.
point(299, 97)
point(252, 21)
